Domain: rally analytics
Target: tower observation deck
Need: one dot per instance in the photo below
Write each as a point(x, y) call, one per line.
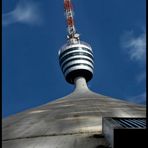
point(75, 57)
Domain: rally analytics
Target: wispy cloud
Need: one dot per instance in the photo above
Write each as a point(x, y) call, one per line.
point(26, 12)
point(135, 46)
point(139, 99)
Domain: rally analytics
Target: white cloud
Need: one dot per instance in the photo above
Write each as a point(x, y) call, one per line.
point(135, 46)
point(26, 12)
point(139, 99)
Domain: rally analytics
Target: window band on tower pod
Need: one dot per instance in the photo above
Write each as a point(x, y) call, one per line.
point(75, 59)
point(75, 53)
point(78, 64)
point(73, 49)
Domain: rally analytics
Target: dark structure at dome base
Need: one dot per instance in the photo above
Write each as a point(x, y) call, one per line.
point(78, 73)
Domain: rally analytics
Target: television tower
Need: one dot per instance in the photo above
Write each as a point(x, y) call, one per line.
point(75, 57)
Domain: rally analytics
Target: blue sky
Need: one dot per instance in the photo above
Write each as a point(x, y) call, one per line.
point(34, 30)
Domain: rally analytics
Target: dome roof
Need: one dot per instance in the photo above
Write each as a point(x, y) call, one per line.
point(75, 116)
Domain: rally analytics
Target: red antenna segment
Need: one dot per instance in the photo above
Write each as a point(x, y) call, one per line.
point(70, 21)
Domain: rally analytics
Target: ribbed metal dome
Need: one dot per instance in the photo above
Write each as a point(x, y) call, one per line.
point(76, 60)
point(74, 121)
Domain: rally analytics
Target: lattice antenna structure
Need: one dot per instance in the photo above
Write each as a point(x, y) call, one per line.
point(68, 8)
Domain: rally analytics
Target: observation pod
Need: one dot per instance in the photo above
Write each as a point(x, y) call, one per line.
point(76, 60)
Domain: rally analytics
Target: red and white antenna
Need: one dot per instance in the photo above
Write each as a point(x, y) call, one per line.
point(70, 21)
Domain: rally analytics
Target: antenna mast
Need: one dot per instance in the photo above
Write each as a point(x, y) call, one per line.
point(72, 35)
